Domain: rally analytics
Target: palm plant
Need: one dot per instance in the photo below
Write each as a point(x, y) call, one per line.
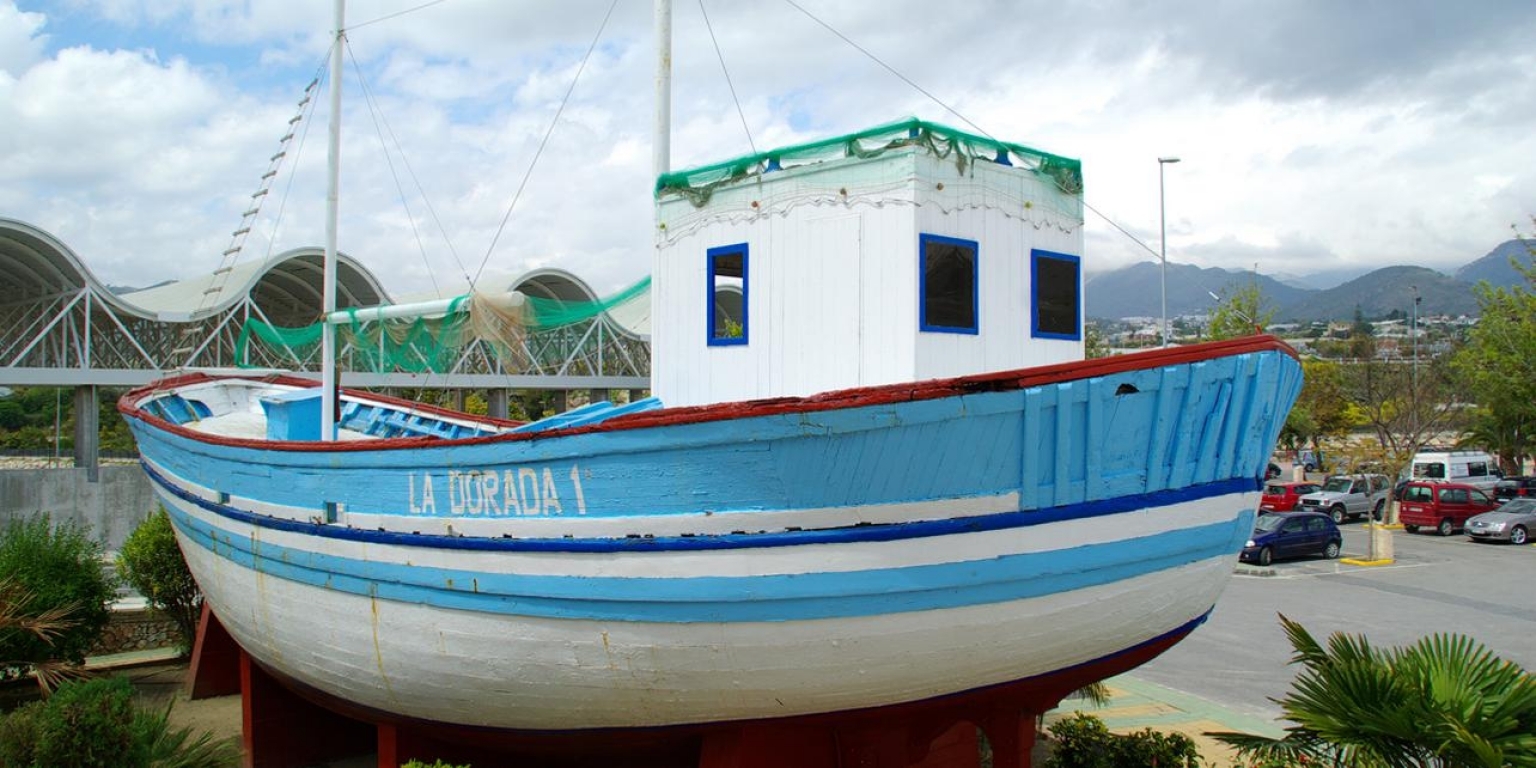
point(1445, 701)
point(44, 626)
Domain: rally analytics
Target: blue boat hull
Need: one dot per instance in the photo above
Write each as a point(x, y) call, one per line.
point(759, 560)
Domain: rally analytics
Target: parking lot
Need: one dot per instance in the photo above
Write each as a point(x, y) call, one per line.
point(1239, 659)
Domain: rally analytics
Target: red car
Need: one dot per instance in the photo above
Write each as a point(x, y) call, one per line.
point(1442, 506)
point(1283, 497)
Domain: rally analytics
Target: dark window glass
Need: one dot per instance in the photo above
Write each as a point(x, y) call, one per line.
point(728, 295)
point(1057, 304)
point(948, 284)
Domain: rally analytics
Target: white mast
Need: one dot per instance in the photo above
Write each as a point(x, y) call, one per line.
point(661, 146)
point(332, 212)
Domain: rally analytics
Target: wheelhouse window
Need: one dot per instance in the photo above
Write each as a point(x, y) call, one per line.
point(727, 300)
point(1056, 311)
point(947, 284)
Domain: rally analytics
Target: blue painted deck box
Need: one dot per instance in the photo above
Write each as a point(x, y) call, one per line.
point(293, 415)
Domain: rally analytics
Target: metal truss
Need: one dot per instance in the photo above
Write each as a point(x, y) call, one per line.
point(76, 338)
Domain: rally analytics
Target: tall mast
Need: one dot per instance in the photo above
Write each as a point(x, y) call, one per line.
point(332, 213)
point(661, 145)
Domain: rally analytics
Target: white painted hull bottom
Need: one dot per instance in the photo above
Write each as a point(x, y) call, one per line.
point(504, 670)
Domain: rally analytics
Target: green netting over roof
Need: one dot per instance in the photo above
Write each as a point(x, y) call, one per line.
point(941, 140)
point(428, 344)
point(554, 313)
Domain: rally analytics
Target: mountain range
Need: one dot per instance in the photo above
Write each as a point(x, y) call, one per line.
point(1123, 293)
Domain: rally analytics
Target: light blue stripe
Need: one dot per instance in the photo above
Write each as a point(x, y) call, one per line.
point(732, 599)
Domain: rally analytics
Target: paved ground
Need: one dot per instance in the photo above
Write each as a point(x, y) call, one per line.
point(1233, 667)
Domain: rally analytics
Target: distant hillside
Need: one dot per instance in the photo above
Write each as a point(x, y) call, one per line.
point(1384, 291)
point(1495, 267)
point(1134, 291)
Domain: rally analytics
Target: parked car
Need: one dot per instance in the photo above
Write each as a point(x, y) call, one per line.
point(1345, 496)
point(1518, 486)
point(1511, 522)
point(1284, 497)
point(1292, 534)
point(1442, 506)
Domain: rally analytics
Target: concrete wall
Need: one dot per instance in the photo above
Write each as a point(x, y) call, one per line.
point(119, 500)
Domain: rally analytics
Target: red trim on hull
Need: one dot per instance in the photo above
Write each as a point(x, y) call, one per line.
point(848, 398)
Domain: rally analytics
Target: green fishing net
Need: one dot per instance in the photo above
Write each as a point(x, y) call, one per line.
point(942, 141)
point(431, 344)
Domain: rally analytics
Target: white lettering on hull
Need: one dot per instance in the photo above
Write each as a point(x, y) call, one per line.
point(513, 492)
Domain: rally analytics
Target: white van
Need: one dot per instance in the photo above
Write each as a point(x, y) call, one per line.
point(1471, 467)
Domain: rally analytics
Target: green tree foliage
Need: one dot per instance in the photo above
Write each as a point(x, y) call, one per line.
point(1240, 311)
point(1094, 345)
point(153, 564)
point(1322, 409)
point(56, 567)
point(1443, 701)
point(31, 417)
point(1362, 337)
point(1497, 364)
point(1083, 741)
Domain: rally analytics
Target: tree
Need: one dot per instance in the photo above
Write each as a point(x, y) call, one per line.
point(1443, 701)
point(1094, 345)
point(152, 562)
point(1497, 364)
point(1239, 311)
point(1322, 410)
point(1362, 339)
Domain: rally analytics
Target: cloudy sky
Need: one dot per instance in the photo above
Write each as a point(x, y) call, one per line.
point(1315, 135)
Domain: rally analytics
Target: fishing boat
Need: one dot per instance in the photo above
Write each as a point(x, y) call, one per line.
point(886, 477)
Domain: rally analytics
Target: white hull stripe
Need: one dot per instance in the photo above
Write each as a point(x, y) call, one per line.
point(794, 597)
point(857, 533)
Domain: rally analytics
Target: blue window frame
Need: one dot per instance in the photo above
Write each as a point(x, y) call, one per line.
point(727, 299)
point(1056, 280)
point(947, 284)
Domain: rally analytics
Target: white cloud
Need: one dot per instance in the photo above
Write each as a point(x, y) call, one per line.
point(1372, 140)
point(21, 40)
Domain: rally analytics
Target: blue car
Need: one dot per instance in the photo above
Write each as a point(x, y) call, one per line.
point(1292, 534)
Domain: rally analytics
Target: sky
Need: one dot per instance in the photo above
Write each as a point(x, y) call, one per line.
point(1314, 136)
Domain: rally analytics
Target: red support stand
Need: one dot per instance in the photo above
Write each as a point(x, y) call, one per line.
point(215, 669)
point(282, 729)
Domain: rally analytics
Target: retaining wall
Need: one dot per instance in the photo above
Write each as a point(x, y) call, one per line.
point(112, 506)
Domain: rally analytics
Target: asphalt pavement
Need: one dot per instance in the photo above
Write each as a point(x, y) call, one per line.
point(1229, 671)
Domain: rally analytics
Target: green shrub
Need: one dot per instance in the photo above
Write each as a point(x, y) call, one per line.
point(95, 723)
point(18, 736)
point(151, 562)
point(1083, 741)
point(87, 724)
point(56, 566)
point(417, 764)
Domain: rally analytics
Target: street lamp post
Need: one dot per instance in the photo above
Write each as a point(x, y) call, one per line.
point(1162, 215)
point(1414, 329)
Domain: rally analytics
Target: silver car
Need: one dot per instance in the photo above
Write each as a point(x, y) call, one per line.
point(1512, 522)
